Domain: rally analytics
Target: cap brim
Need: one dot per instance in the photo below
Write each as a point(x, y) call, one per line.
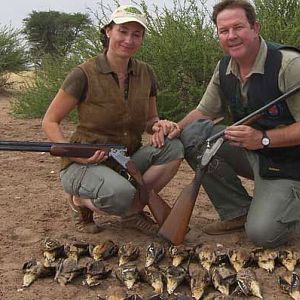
point(122, 20)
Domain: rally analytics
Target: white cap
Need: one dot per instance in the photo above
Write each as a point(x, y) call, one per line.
point(128, 13)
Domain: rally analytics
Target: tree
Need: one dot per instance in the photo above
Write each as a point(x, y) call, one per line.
point(53, 32)
point(279, 20)
point(13, 56)
point(182, 47)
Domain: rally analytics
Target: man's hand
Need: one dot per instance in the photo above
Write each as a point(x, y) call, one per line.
point(244, 136)
point(175, 132)
point(161, 129)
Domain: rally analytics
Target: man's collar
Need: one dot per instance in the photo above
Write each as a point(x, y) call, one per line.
point(258, 66)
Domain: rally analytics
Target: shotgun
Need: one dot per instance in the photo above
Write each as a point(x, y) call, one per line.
point(176, 224)
point(61, 149)
point(158, 207)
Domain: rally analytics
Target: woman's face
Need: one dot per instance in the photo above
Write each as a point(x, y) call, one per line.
point(125, 39)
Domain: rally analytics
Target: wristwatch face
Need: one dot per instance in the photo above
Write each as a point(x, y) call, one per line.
point(265, 141)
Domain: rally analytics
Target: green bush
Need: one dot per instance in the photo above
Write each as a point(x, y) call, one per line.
point(13, 56)
point(34, 101)
point(181, 46)
point(279, 20)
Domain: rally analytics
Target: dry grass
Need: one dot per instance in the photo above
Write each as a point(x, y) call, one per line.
point(21, 80)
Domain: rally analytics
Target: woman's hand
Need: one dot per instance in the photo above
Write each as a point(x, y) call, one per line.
point(161, 129)
point(98, 157)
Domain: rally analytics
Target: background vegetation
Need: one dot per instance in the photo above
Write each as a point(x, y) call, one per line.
point(181, 45)
point(279, 20)
point(52, 32)
point(13, 57)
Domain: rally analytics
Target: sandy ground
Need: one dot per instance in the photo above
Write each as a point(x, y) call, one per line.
point(34, 206)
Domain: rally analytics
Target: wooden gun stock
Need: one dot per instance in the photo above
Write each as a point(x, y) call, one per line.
point(158, 207)
point(84, 151)
point(176, 225)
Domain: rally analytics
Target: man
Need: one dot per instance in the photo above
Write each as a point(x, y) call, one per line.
point(251, 74)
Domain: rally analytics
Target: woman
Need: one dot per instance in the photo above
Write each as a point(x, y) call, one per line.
point(115, 96)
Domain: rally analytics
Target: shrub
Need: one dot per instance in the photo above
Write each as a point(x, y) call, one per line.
point(183, 50)
point(279, 20)
point(13, 56)
point(181, 46)
point(34, 101)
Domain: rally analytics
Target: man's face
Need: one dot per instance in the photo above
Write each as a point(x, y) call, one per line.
point(237, 36)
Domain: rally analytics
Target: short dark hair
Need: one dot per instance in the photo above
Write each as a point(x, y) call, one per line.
point(244, 4)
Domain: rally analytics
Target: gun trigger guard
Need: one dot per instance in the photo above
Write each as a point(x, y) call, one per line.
point(123, 172)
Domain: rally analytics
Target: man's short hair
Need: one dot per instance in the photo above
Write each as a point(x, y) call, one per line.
point(228, 4)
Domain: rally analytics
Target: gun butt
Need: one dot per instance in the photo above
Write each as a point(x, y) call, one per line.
point(176, 224)
point(158, 207)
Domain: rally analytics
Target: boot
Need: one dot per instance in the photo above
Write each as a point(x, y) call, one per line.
point(83, 218)
point(140, 221)
point(226, 226)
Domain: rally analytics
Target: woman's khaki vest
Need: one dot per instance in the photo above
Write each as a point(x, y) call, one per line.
point(105, 117)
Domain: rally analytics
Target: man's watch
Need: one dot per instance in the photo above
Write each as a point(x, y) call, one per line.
point(265, 139)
